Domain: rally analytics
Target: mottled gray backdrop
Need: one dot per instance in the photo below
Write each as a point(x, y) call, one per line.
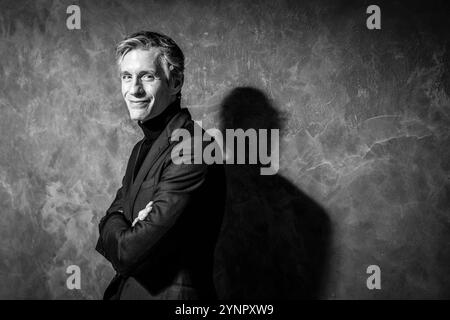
point(366, 135)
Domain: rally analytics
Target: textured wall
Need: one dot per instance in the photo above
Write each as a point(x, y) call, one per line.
point(365, 141)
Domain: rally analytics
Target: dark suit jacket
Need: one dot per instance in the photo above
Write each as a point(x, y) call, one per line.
point(169, 255)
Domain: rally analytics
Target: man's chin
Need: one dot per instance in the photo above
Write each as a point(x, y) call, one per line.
point(139, 115)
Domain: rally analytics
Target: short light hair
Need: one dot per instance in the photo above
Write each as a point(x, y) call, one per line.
point(170, 53)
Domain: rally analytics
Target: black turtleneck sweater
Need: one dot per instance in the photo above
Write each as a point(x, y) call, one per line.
point(152, 128)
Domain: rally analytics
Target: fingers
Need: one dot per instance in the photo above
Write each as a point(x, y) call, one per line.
point(143, 213)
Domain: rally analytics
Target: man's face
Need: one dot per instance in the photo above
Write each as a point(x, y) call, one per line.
point(145, 86)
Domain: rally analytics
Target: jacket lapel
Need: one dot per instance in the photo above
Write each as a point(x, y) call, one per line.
point(158, 147)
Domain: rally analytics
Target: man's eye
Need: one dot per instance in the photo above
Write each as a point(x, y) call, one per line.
point(148, 77)
point(125, 77)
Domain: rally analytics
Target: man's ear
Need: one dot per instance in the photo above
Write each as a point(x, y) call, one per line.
point(176, 82)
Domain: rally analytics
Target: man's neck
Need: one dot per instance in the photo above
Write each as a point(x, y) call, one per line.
point(153, 126)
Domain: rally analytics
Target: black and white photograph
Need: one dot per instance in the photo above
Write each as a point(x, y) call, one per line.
point(229, 150)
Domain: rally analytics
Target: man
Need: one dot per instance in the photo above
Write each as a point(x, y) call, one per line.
point(160, 231)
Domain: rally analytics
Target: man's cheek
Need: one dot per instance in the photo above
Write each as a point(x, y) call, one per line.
point(124, 88)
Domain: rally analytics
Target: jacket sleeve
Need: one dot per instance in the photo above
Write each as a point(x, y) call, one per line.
point(125, 246)
point(115, 211)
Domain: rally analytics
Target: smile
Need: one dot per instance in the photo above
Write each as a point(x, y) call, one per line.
point(139, 102)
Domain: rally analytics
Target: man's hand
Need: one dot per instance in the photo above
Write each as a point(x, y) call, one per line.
point(143, 213)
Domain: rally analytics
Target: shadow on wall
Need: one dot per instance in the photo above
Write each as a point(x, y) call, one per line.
point(274, 238)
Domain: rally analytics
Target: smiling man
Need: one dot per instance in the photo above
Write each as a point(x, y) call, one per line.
point(160, 231)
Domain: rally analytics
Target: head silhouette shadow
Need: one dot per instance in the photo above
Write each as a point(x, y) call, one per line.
point(274, 238)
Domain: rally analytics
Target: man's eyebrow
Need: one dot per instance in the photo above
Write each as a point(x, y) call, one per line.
point(151, 71)
point(147, 71)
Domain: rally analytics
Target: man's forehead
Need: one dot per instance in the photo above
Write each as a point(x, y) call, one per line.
point(140, 58)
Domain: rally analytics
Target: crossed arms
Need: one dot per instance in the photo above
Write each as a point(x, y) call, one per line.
point(126, 246)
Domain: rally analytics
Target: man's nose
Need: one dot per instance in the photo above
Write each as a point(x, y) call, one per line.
point(136, 87)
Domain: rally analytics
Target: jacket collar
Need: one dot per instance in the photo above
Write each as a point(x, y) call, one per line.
point(162, 142)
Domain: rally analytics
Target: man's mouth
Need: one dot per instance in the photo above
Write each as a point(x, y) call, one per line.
point(139, 101)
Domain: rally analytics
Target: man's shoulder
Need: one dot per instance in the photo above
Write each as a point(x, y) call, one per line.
point(182, 119)
point(186, 130)
point(192, 134)
point(188, 140)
